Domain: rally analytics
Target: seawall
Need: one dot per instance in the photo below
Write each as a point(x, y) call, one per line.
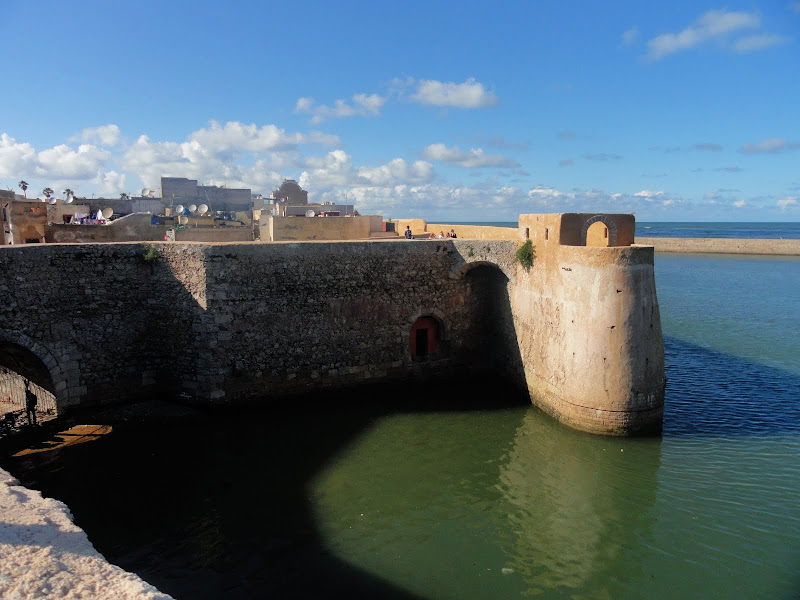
point(233, 322)
point(722, 245)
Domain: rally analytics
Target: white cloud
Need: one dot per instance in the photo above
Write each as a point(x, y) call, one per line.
point(757, 42)
point(214, 155)
point(630, 36)
point(787, 202)
point(62, 162)
point(649, 194)
point(16, 159)
point(739, 203)
point(113, 183)
point(715, 25)
point(768, 146)
point(240, 136)
point(397, 171)
point(362, 105)
point(473, 158)
point(105, 135)
point(470, 94)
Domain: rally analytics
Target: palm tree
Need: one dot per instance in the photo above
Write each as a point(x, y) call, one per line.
point(123, 196)
point(47, 192)
point(24, 186)
point(67, 193)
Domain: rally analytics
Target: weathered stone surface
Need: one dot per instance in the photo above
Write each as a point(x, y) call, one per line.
point(233, 322)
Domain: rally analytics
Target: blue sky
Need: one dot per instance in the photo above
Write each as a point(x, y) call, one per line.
point(467, 111)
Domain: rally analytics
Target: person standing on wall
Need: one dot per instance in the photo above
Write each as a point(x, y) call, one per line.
point(30, 403)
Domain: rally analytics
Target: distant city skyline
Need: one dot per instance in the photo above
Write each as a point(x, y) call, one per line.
point(462, 112)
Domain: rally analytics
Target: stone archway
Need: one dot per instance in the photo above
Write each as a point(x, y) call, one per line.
point(21, 360)
point(609, 223)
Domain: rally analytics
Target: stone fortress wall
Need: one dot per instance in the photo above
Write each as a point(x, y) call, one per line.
point(248, 321)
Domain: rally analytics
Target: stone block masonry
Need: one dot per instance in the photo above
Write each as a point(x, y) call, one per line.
point(255, 322)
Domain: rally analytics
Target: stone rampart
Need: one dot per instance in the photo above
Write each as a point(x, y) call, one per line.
point(244, 321)
point(722, 245)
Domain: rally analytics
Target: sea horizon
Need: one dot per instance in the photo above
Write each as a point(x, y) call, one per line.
point(693, 229)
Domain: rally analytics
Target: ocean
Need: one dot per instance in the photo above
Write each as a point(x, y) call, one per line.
point(698, 230)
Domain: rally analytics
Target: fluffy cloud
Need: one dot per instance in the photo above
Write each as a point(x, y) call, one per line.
point(62, 162)
point(113, 183)
point(397, 171)
point(473, 158)
point(648, 194)
point(739, 203)
point(214, 155)
point(16, 159)
point(240, 137)
point(470, 94)
point(105, 135)
point(362, 105)
point(788, 202)
point(715, 25)
point(768, 146)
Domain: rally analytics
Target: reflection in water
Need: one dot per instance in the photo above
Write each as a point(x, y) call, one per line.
point(575, 503)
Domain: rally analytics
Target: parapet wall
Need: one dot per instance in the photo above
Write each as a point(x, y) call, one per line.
point(276, 229)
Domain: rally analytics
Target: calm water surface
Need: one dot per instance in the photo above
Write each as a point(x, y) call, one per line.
point(459, 492)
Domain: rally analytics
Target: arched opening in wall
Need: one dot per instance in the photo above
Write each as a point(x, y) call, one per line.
point(490, 343)
point(597, 234)
point(426, 339)
point(602, 229)
point(18, 368)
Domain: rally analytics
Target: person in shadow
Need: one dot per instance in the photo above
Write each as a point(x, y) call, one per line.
point(30, 403)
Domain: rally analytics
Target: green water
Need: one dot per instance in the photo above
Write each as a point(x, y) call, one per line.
point(457, 491)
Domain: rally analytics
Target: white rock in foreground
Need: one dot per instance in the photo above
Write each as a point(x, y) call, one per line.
point(43, 554)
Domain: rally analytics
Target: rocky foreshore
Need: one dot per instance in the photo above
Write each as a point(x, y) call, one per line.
point(43, 554)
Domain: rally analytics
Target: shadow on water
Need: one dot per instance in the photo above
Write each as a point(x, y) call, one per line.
point(218, 505)
point(715, 393)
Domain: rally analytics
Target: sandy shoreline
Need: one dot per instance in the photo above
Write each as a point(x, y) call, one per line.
point(773, 247)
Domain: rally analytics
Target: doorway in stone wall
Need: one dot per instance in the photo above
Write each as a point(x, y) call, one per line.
point(426, 339)
point(20, 368)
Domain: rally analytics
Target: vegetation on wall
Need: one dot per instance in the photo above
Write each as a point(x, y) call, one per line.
point(150, 254)
point(526, 254)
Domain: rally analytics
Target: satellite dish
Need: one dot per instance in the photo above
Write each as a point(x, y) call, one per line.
point(53, 200)
point(309, 213)
point(107, 212)
point(69, 200)
point(179, 209)
point(145, 191)
point(192, 208)
point(183, 220)
point(202, 209)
